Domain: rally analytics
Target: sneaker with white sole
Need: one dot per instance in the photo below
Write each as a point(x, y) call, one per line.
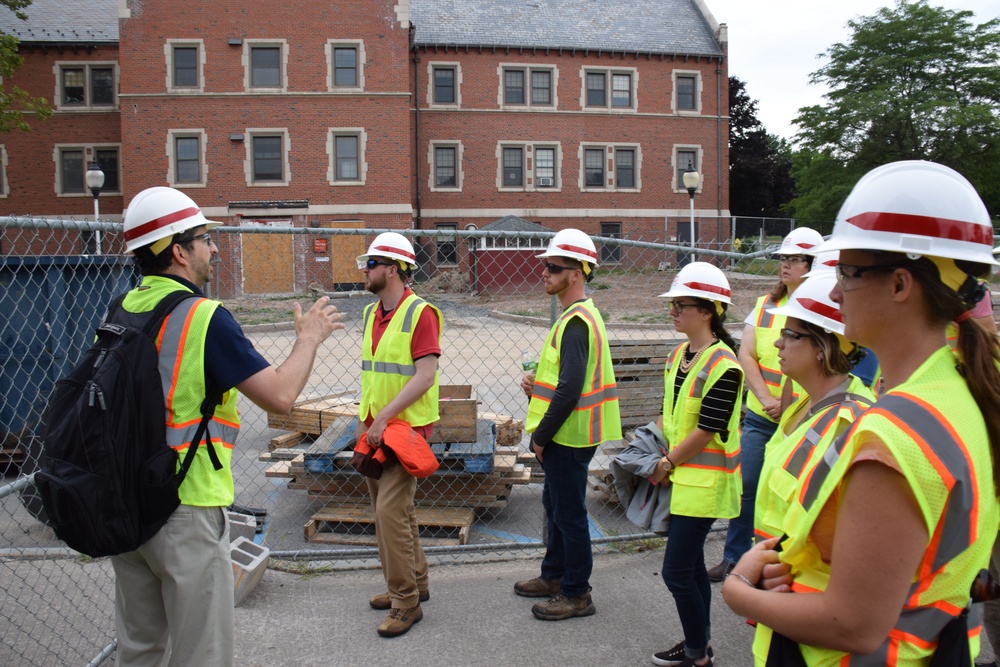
point(674, 657)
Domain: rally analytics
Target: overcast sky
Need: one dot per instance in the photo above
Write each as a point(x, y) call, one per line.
point(773, 46)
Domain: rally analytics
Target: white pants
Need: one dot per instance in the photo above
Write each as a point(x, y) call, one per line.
point(174, 594)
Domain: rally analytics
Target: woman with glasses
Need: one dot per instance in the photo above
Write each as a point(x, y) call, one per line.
point(768, 393)
point(703, 382)
point(885, 535)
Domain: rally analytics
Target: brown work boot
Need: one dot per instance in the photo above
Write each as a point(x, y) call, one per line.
point(561, 607)
point(720, 571)
point(399, 621)
point(382, 601)
point(537, 588)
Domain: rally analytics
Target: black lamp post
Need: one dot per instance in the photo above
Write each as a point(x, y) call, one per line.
point(95, 181)
point(692, 179)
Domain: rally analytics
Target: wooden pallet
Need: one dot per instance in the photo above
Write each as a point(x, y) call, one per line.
point(324, 525)
point(639, 375)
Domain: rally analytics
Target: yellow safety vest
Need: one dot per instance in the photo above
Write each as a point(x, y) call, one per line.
point(931, 425)
point(768, 330)
point(596, 417)
point(789, 457)
point(181, 345)
point(708, 484)
point(384, 374)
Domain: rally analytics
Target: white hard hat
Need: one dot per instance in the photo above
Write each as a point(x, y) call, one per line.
point(574, 244)
point(915, 207)
point(158, 213)
point(811, 302)
point(702, 281)
point(800, 241)
point(825, 261)
point(392, 245)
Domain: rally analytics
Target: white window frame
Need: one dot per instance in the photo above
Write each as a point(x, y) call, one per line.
point(527, 69)
point(457, 66)
point(529, 182)
point(609, 73)
point(432, 147)
point(286, 148)
point(168, 53)
point(679, 169)
point(697, 91)
point(87, 66)
point(439, 240)
point(331, 152)
point(172, 136)
point(4, 184)
point(359, 47)
point(89, 151)
point(610, 167)
point(248, 46)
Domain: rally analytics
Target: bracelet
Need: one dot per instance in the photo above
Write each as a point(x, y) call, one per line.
point(741, 578)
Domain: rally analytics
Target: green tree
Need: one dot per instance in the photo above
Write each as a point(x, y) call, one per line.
point(760, 181)
point(914, 82)
point(13, 100)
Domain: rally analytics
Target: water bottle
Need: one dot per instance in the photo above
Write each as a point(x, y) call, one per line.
point(528, 363)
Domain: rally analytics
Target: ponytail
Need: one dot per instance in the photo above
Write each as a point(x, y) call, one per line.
point(720, 332)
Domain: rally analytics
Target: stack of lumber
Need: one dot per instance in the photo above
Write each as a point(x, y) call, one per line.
point(639, 373)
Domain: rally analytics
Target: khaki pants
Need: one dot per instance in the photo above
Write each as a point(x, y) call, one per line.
point(174, 594)
point(403, 563)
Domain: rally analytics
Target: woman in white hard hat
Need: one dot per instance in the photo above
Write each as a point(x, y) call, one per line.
point(887, 533)
point(768, 393)
point(703, 383)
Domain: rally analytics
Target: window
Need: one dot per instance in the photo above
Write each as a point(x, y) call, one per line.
point(346, 148)
point(186, 153)
point(444, 167)
point(527, 87)
point(612, 89)
point(513, 167)
point(687, 97)
point(265, 62)
point(611, 253)
point(72, 163)
point(86, 86)
point(444, 84)
point(545, 167)
point(594, 167)
point(267, 157)
point(346, 60)
point(686, 157)
point(185, 67)
point(447, 249)
point(624, 168)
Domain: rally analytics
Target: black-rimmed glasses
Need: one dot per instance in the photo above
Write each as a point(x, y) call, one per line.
point(845, 271)
point(555, 269)
point(679, 307)
point(792, 334)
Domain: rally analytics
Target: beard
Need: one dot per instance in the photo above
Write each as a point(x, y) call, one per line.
point(374, 284)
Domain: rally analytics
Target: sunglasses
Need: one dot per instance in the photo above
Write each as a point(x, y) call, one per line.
point(206, 237)
point(845, 271)
point(791, 334)
point(555, 269)
point(372, 263)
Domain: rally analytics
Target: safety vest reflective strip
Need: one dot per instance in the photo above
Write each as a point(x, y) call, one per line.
point(601, 400)
point(707, 458)
point(767, 326)
point(815, 434)
point(384, 377)
point(765, 320)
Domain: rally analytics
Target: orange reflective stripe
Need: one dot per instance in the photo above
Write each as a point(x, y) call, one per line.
point(764, 318)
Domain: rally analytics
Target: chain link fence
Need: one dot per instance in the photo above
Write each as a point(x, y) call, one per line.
point(298, 495)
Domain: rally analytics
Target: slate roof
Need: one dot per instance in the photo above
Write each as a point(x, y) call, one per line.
point(512, 223)
point(64, 22)
point(644, 26)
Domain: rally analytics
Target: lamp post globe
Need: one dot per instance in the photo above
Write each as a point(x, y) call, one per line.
point(95, 181)
point(691, 179)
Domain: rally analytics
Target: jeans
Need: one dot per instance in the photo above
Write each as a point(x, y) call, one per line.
point(756, 432)
point(568, 555)
point(685, 576)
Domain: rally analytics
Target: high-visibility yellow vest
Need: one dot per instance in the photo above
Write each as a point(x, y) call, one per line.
point(931, 425)
point(596, 417)
point(384, 374)
point(790, 456)
point(181, 345)
point(708, 484)
point(767, 331)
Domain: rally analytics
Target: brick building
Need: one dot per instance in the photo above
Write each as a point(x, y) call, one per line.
point(386, 113)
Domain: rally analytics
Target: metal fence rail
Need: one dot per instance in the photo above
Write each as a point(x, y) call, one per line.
point(56, 607)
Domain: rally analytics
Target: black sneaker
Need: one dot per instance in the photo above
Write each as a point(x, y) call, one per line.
point(674, 657)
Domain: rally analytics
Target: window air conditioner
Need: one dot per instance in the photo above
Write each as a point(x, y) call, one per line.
point(546, 182)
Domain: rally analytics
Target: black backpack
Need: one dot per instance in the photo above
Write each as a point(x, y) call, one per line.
point(109, 480)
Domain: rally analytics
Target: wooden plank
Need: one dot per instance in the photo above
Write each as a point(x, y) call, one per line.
point(287, 440)
point(279, 469)
point(356, 515)
point(457, 409)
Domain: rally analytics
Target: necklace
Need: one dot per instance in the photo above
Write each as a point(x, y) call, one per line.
point(686, 365)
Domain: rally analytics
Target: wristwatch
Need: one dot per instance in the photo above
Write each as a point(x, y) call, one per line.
point(668, 464)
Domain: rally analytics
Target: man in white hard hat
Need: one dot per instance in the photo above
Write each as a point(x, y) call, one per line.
point(399, 379)
point(174, 594)
point(573, 408)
